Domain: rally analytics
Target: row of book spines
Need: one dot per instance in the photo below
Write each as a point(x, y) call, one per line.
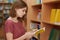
point(7, 1)
point(5, 7)
point(55, 16)
point(39, 16)
point(54, 34)
point(38, 1)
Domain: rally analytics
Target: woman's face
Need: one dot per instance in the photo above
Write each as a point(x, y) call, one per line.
point(21, 12)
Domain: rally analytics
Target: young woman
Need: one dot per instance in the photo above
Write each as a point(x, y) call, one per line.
point(14, 24)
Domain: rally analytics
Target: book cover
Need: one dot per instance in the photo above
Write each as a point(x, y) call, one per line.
point(51, 34)
point(54, 34)
point(57, 35)
point(40, 31)
point(32, 26)
point(38, 1)
point(57, 17)
point(52, 16)
point(41, 1)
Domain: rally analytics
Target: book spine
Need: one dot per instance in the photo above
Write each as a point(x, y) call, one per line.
point(52, 16)
point(57, 17)
point(38, 1)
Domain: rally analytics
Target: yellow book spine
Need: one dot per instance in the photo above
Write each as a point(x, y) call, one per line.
point(52, 16)
point(57, 17)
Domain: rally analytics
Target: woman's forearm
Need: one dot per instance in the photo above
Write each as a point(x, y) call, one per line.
point(21, 38)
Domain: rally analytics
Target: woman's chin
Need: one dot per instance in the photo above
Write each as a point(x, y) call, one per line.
point(20, 16)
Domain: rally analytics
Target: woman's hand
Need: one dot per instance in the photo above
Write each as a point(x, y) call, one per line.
point(30, 34)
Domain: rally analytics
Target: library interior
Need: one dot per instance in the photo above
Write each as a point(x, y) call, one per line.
point(42, 19)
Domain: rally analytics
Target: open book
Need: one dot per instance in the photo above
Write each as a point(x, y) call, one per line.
point(41, 30)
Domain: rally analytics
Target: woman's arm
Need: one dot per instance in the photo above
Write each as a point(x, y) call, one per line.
point(27, 35)
point(9, 36)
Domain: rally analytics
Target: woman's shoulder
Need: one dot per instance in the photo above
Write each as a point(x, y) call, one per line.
point(8, 21)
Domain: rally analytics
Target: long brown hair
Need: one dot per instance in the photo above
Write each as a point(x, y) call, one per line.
point(17, 5)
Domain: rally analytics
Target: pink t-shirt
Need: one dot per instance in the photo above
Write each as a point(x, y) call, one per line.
point(16, 28)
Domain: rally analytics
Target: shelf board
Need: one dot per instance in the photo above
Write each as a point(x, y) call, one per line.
point(51, 23)
point(1, 11)
point(6, 3)
point(52, 1)
point(37, 6)
point(36, 21)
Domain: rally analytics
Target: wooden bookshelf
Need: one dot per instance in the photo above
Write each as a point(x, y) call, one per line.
point(36, 20)
point(46, 12)
point(45, 8)
point(3, 4)
point(33, 11)
point(37, 6)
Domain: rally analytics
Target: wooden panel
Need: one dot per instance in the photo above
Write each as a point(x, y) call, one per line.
point(2, 33)
point(46, 11)
point(58, 5)
point(45, 35)
point(31, 13)
point(50, 1)
point(38, 6)
point(50, 23)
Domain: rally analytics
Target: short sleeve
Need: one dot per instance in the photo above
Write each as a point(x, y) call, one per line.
point(8, 27)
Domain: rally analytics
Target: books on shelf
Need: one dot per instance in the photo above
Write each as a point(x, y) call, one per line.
point(7, 7)
point(38, 1)
point(33, 26)
point(6, 16)
point(52, 16)
point(40, 31)
point(55, 16)
point(5, 1)
point(41, 1)
point(9, 1)
point(0, 14)
point(1, 1)
point(1, 20)
point(1, 7)
point(39, 16)
point(54, 34)
point(14, 0)
point(6, 11)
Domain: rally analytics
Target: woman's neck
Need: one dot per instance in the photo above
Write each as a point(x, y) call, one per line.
point(13, 19)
